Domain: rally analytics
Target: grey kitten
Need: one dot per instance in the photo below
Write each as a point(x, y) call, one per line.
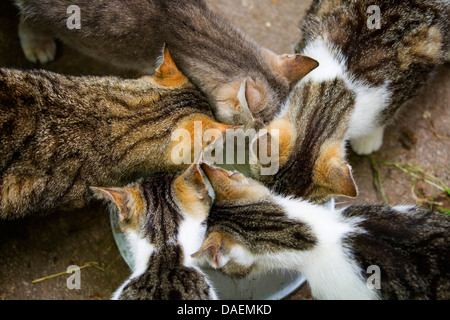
point(359, 252)
point(163, 219)
point(365, 75)
point(245, 83)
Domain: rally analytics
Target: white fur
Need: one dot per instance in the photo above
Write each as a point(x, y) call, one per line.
point(240, 255)
point(141, 251)
point(404, 209)
point(329, 267)
point(191, 234)
point(364, 130)
point(369, 143)
point(331, 62)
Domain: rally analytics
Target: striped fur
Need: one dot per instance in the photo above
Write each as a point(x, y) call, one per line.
point(62, 134)
point(405, 51)
point(315, 131)
point(411, 246)
point(332, 248)
point(214, 54)
point(167, 279)
point(365, 75)
point(274, 231)
point(168, 235)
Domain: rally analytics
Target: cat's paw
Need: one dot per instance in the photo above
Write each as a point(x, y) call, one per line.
point(36, 47)
point(39, 52)
point(368, 144)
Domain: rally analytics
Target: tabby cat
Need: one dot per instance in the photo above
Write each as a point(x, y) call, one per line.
point(61, 134)
point(163, 219)
point(365, 75)
point(251, 230)
point(245, 83)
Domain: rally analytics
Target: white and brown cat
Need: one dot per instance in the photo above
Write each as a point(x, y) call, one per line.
point(358, 252)
point(60, 134)
point(163, 219)
point(365, 75)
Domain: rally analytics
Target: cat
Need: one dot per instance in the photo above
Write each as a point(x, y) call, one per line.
point(251, 230)
point(60, 134)
point(163, 219)
point(245, 84)
point(364, 76)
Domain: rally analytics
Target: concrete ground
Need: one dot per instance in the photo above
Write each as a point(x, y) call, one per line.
point(416, 147)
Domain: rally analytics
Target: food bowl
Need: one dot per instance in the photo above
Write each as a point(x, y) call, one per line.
point(270, 286)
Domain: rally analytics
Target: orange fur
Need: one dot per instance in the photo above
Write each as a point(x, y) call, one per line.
point(189, 125)
point(167, 74)
point(229, 186)
point(285, 138)
point(332, 172)
point(191, 193)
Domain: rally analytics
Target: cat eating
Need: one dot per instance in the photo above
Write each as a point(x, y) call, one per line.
point(163, 219)
point(251, 230)
point(60, 134)
point(365, 75)
point(245, 84)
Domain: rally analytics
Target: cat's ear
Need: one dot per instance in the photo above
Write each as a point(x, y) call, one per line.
point(291, 66)
point(124, 199)
point(167, 73)
point(333, 173)
point(191, 192)
point(250, 98)
point(214, 249)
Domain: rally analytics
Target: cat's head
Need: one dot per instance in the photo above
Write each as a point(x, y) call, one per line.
point(310, 152)
point(246, 225)
point(253, 101)
point(219, 249)
point(156, 207)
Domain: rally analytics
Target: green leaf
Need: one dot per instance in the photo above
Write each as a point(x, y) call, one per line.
point(447, 190)
point(445, 211)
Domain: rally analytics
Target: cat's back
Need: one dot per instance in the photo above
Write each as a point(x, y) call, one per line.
point(410, 245)
point(167, 279)
point(409, 35)
point(38, 89)
point(85, 96)
point(111, 30)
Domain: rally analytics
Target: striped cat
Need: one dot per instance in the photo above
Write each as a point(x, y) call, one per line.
point(244, 83)
point(365, 76)
point(251, 230)
point(163, 219)
point(60, 134)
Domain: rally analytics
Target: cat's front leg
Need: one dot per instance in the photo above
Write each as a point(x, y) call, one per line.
point(37, 47)
point(369, 143)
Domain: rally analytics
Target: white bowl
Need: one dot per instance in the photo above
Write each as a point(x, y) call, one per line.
point(270, 286)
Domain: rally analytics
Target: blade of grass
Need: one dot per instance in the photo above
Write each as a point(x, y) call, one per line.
point(418, 172)
point(87, 265)
point(377, 182)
